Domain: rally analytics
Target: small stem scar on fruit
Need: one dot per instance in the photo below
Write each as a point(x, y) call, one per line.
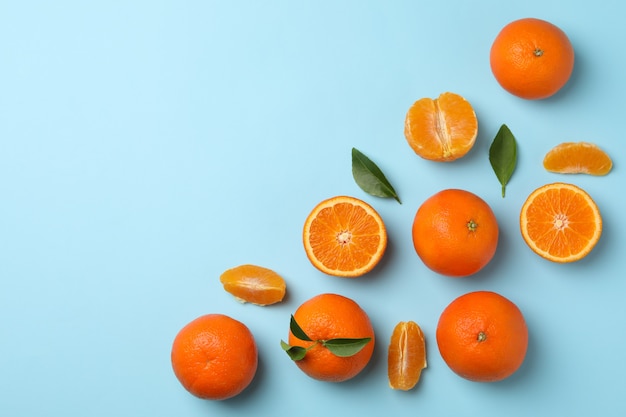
point(538, 52)
point(482, 336)
point(472, 225)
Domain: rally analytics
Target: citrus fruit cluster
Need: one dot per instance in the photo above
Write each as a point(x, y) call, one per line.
point(482, 335)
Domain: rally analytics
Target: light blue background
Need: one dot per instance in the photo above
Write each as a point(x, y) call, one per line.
point(147, 146)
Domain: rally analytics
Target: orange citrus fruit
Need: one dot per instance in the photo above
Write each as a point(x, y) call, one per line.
point(441, 129)
point(344, 236)
point(482, 336)
point(577, 158)
point(332, 316)
point(254, 284)
point(531, 58)
point(406, 357)
point(560, 222)
point(214, 357)
point(455, 233)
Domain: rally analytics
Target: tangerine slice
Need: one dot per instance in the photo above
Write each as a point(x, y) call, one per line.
point(254, 284)
point(560, 222)
point(344, 236)
point(406, 357)
point(577, 158)
point(441, 129)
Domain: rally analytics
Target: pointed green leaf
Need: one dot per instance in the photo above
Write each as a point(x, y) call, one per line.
point(297, 330)
point(346, 347)
point(370, 178)
point(296, 353)
point(503, 156)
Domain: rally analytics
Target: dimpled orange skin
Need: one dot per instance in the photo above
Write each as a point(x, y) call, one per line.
point(482, 336)
point(330, 316)
point(214, 357)
point(531, 58)
point(455, 233)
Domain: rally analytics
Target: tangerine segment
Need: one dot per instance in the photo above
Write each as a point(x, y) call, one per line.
point(344, 236)
point(560, 222)
point(406, 357)
point(577, 158)
point(254, 284)
point(441, 129)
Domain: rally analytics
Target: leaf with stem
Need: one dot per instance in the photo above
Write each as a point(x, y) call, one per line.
point(503, 156)
point(342, 347)
point(370, 178)
point(297, 330)
point(295, 352)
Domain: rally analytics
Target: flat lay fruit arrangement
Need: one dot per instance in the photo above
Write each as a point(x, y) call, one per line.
point(482, 336)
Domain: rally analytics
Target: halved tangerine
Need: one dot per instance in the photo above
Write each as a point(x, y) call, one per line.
point(406, 357)
point(344, 236)
point(441, 129)
point(254, 284)
point(560, 222)
point(578, 158)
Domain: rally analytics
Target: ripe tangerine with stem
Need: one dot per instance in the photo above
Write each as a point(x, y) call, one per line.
point(455, 233)
point(532, 58)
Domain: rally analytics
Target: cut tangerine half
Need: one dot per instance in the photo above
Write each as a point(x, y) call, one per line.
point(344, 236)
point(441, 129)
point(406, 357)
point(560, 222)
point(254, 284)
point(577, 158)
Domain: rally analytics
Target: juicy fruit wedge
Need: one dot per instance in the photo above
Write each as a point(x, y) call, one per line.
point(254, 284)
point(560, 222)
point(577, 158)
point(406, 356)
point(441, 129)
point(344, 236)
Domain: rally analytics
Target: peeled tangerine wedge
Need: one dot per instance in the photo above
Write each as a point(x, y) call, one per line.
point(254, 284)
point(441, 129)
point(406, 356)
point(577, 158)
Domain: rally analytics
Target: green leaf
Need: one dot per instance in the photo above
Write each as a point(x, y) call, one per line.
point(346, 347)
point(295, 352)
point(370, 178)
point(297, 330)
point(503, 156)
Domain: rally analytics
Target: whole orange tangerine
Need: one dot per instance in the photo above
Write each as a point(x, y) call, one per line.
point(326, 317)
point(455, 233)
point(214, 357)
point(482, 336)
point(532, 58)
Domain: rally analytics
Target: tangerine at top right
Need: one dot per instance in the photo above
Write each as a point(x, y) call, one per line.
point(532, 58)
